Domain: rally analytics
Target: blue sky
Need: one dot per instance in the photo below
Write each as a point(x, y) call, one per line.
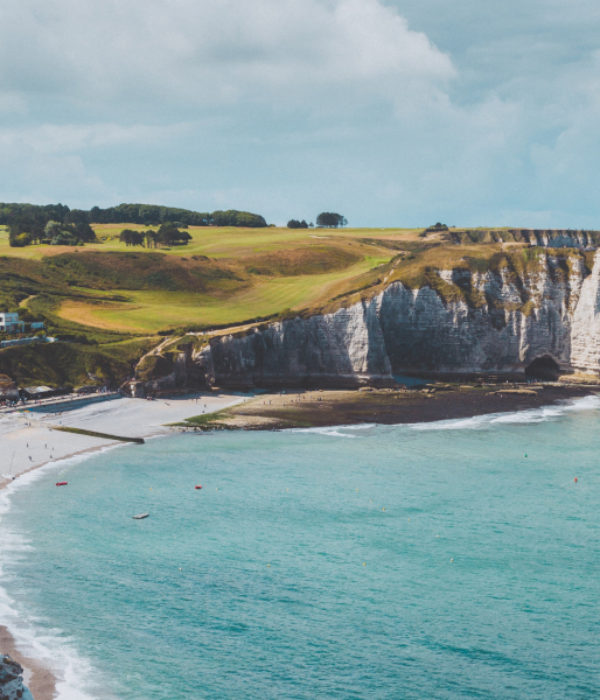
point(391, 112)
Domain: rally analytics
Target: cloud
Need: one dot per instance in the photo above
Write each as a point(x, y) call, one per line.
point(61, 138)
point(142, 52)
point(391, 111)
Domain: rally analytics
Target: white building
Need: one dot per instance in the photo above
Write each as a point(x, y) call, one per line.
point(9, 323)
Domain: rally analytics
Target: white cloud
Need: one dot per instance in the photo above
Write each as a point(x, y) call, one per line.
point(214, 51)
point(277, 104)
point(70, 138)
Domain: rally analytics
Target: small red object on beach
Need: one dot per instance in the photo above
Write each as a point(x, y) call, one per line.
point(198, 487)
point(575, 479)
point(62, 483)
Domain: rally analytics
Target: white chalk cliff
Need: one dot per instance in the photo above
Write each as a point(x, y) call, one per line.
point(495, 321)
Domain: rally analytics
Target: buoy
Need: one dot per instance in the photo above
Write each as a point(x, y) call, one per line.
point(198, 487)
point(575, 479)
point(62, 483)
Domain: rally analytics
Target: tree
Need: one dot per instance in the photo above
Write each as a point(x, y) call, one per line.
point(232, 217)
point(331, 219)
point(294, 223)
point(52, 228)
point(168, 234)
point(64, 237)
point(131, 237)
point(150, 238)
point(84, 232)
point(57, 233)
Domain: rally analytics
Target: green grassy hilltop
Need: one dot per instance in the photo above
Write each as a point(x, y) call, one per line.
point(224, 276)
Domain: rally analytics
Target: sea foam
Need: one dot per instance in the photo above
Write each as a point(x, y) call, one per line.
point(76, 678)
point(531, 415)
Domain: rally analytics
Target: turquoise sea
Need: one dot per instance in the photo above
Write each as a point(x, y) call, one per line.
point(448, 560)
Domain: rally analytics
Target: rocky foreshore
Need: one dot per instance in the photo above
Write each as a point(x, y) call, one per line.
point(11, 680)
point(305, 409)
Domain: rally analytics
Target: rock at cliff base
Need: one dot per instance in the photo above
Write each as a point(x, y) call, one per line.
point(11, 680)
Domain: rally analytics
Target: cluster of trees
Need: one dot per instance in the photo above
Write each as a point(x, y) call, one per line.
point(325, 218)
point(331, 219)
point(27, 222)
point(167, 235)
point(438, 226)
point(231, 217)
point(25, 229)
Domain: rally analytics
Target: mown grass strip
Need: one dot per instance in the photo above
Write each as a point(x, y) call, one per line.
point(93, 433)
point(202, 420)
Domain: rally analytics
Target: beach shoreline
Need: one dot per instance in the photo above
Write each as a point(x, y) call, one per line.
point(31, 444)
point(330, 408)
point(40, 680)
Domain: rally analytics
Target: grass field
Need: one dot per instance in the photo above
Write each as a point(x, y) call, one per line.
point(215, 242)
point(152, 311)
point(223, 276)
point(249, 273)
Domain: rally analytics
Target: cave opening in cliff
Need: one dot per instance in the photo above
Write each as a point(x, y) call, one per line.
point(543, 368)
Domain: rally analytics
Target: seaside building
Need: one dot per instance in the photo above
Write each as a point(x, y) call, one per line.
point(37, 392)
point(10, 323)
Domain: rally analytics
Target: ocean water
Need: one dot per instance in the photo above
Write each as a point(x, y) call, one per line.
point(448, 560)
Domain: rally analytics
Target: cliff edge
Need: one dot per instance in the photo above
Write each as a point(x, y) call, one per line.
point(538, 307)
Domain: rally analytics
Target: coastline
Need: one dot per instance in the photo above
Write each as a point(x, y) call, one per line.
point(320, 409)
point(31, 444)
point(40, 680)
point(26, 433)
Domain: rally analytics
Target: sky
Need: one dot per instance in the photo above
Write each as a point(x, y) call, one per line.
point(390, 112)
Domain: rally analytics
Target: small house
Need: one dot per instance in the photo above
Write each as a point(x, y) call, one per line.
point(37, 392)
point(10, 323)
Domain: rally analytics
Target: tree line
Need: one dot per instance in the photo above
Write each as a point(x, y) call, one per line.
point(57, 224)
point(154, 215)
point(45, 225)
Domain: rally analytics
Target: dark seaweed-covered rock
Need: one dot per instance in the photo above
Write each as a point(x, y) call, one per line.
point(11, 680)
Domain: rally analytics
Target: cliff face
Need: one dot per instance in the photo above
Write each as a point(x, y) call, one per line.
point(471, 322)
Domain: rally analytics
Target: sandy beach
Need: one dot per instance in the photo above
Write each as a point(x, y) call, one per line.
point(29, 442)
